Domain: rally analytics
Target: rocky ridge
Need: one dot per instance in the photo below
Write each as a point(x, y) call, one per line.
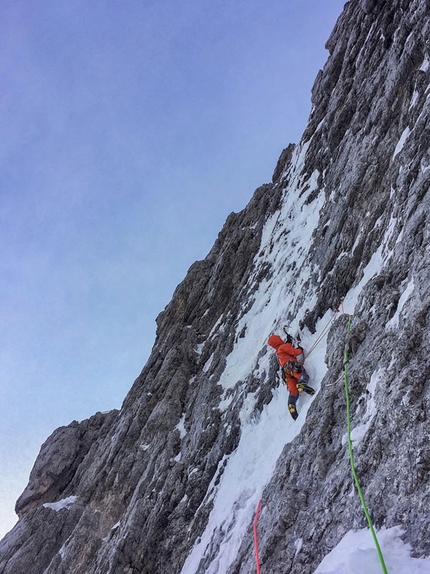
point(343, 225)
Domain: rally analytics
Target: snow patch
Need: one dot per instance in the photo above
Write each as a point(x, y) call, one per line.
point(356, 554)
point(372, 268)
point(425, 65)
point(64, 503)
point(393, 323)
point(401, 142)
point(199, 348)
point(414, 99)
point(208, 363)
point(181, 427)
point(359, 432)
point(298, 545)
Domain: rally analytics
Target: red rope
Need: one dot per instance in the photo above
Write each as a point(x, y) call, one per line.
point(257, 558)
point(334, 382)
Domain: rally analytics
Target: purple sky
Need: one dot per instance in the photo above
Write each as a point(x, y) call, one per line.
point(130, 130)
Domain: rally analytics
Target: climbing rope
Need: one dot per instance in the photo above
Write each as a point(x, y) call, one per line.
point(334, 382)
point(351, 456)
point(323, 332)
point(257, 558)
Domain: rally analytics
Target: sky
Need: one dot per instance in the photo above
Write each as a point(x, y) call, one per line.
point(130, 131)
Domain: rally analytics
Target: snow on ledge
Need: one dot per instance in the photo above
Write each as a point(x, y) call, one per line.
point(64, 503)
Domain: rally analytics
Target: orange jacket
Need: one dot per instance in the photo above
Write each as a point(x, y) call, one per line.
point(285, 351)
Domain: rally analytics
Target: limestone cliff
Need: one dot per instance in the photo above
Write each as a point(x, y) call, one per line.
point(170, 482)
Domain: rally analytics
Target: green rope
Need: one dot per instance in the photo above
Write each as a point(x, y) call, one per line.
point(351, 456)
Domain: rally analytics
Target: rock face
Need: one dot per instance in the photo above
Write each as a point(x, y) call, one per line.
point(343, 225)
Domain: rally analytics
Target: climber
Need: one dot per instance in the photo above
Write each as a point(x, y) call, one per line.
point(293, 373)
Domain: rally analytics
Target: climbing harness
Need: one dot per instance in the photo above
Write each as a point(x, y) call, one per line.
point(351, 456)
point(291, 368)
point(257, 557)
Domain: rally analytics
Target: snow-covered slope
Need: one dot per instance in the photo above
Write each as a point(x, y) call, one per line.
point(171, 482)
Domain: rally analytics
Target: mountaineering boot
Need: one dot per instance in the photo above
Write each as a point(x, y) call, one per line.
point(292, 406)
point(293, 410)
point(306, 388)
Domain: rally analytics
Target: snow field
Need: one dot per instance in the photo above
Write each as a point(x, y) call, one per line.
point(251, 465)
point(286, 239)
